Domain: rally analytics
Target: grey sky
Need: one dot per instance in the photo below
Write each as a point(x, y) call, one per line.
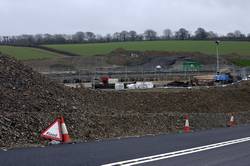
point(108, 16)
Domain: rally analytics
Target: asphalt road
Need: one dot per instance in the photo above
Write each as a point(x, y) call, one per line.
point(110, 151)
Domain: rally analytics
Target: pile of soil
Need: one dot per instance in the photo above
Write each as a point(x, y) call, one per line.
point(149, 59)
point(233, 98)
point(120, 58)
point(30, 101)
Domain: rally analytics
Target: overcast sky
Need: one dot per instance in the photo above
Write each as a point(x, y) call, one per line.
point(108, 16)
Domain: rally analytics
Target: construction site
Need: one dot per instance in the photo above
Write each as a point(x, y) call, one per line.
point(126, 70)
point(30, 101)
point(124, 83)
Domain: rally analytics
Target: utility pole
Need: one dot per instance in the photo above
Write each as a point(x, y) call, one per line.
point(217, 55)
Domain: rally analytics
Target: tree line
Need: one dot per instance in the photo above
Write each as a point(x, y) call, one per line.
point(148, 35)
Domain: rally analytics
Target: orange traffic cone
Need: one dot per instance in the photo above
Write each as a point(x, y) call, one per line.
point(65, 134)
point(186, 127)
point(231, 123)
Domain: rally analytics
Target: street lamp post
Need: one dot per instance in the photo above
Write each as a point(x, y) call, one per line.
point(217, 55)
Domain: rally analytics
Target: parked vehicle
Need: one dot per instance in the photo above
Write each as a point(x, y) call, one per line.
point(224, 78)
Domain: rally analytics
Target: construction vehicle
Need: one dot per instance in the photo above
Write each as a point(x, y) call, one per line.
point(225, 78)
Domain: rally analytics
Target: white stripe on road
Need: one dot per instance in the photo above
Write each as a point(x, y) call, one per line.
point(176, 153)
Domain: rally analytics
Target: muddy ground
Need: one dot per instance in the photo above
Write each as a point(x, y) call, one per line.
point(29, 102)
point(128, 65)
point(121, 59)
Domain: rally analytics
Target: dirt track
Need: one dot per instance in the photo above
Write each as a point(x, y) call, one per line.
point(29, 102)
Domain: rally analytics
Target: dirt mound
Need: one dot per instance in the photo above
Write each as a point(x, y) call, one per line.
point(30, 101)
point(148, 60)
point(24, 90)
point(223, 100)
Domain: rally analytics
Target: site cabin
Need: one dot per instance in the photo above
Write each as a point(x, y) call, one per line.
point(192, 66)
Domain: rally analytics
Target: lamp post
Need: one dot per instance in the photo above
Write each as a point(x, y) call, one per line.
point(217, 42)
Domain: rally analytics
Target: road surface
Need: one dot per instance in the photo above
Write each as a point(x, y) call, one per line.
point(218, 147)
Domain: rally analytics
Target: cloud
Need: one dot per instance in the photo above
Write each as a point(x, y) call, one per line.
point(108, 16)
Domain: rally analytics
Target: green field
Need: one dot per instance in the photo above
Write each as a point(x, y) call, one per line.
point(242, 63)
point(26, 53)
point(207, 47)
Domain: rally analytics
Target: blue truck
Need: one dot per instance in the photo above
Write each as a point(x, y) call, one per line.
point(224, 78)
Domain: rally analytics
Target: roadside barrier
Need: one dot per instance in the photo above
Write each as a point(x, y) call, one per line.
point(57, 131)
point(231, 122)
point(186, 127)
point(65, 134)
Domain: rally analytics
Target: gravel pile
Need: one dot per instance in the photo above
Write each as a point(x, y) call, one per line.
point(30, 101)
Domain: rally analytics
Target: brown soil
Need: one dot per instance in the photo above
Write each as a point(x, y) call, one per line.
point(123, 58)
point(153, 58)
point(29, 102)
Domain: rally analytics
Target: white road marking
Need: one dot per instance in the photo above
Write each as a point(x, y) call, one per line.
point(177, 153)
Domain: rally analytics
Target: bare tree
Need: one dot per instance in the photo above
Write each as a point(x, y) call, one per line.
point(90, 36)
point(79, 37)
point(150, 34)
point(182, 34)
point(59, 38)
point(132, 35)
point(167, 34)
point(230, 35)
point(48, 38)
point(117, 36)
point(108, 38)
point(248, 36)
point(140, 37)
point(23, 39)
point(99, 38)
point(212, 35)
point(124, 35)
point(38, 38)
point(238, 34)
point(201, 33)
